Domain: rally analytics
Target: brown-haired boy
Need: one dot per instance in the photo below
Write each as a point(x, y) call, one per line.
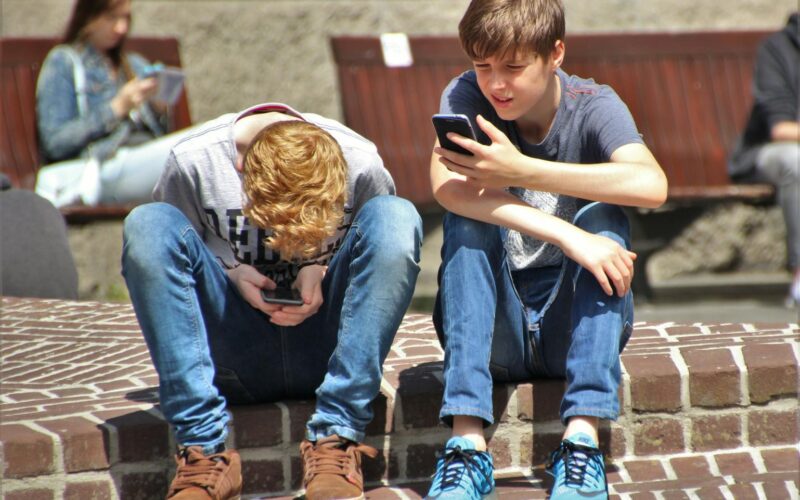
point(265, 198)
point(535, 275)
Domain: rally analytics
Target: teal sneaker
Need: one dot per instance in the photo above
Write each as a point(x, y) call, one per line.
point(462, 473)
point(578, 468)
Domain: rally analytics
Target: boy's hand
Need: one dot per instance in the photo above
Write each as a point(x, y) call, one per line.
point(609, 262)
point(249, 282)
point(309, 283)
point(498, 165)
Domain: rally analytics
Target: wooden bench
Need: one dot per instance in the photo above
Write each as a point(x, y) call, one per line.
point(688, 92)
point(20, 62)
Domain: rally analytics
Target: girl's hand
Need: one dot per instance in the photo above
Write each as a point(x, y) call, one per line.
point(133, 94)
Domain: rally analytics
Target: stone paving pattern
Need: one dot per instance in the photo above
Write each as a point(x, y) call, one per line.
point(708, 411)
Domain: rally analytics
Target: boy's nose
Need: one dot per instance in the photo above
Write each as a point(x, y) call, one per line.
point(121, 26)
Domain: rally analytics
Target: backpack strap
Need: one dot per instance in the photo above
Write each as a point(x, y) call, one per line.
point(79, 79)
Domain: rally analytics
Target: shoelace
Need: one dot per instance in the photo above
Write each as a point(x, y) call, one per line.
point(199, 470)
point(333, 458)
point(452, 475)
point(576, 461)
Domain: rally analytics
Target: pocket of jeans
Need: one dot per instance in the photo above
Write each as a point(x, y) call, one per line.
point(229, 385)
point(627, 331)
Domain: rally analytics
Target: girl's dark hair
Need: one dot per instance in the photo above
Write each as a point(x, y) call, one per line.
point(84, 12)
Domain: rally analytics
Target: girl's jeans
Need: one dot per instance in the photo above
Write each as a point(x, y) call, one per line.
point(127, 177)
point(210, 347)
point(506, 326)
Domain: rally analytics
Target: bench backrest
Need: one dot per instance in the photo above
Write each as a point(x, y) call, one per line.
point(20, 62)
point(688, 92)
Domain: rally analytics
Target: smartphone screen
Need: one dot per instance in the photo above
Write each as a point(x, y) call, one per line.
point(286, 296)
point(458, 124)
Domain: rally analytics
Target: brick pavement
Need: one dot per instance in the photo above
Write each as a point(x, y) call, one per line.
point(708, 411)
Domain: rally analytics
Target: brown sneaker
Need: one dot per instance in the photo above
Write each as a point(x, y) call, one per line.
point(332, 468)
point(201, 477)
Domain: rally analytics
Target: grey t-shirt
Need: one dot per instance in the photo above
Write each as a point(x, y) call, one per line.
point(590, 124)
point(200, 179)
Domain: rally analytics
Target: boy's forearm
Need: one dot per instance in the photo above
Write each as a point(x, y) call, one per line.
point(618, 183)
point(498, 207)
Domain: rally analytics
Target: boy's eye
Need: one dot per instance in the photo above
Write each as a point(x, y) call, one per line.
point(515, 67)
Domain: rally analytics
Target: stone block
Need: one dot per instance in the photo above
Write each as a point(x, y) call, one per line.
point(83, 442)
point(257, 425)
point(714, 379)
point(770, 427)
point(25, 452)
point(735, 464)
point(144, 485)
point(645, 470)
point(655, 382)
point(141, 436)
point(714, 432)
point(88, 490)
point(657, 436)
point(262, 475)
point(772, 371)
point(30, 494)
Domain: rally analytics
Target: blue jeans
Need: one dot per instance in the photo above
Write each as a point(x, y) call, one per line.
point(210, 347)
point(129, 176)
point(495, 324)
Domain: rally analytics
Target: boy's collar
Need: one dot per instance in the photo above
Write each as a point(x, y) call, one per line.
point(268, 107)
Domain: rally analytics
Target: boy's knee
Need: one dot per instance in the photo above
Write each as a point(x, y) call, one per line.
point(392, 223)
point(470, 233)
point(148, 227)
point(604, 219)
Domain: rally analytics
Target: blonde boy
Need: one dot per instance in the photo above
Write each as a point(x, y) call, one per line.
point(265, 198)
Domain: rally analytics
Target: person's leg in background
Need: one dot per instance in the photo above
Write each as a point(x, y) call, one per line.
point(131, 174)
point(779, 164)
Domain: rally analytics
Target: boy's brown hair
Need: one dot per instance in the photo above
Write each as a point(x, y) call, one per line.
point(510, 27)
point(295, 179)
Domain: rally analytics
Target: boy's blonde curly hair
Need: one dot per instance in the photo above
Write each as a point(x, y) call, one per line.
point(295, 179)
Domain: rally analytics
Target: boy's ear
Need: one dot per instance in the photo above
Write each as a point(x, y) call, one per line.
point(557, 56)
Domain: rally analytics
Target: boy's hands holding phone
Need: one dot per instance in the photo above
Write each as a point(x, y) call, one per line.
point(309, 286)
point(250, 284)
point(497, 165)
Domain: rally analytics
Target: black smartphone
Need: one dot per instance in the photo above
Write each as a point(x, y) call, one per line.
point(285, 296)
point(460, 124)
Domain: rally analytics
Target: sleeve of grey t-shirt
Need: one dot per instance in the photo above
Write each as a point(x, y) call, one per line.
point(607, 125)
point(369, 177)
point(177, 188)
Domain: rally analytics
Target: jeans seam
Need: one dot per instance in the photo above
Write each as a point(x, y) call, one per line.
point(187, 290)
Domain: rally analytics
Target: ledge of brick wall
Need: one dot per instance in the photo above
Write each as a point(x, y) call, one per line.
point(703, 405)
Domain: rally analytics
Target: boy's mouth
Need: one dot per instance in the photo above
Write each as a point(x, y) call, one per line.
point(501, 101)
